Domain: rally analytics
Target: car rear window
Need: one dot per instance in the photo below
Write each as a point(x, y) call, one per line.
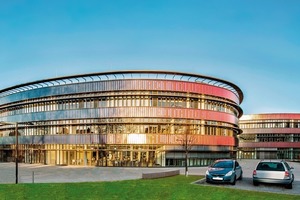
point(270, 166)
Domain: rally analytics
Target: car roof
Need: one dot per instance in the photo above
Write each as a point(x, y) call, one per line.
point(272, 160)
point(224, 160)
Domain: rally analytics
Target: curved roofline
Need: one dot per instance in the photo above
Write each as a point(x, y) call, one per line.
point(63, 80)
point(270, 116)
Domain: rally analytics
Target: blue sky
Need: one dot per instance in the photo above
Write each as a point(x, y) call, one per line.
point(254, 44)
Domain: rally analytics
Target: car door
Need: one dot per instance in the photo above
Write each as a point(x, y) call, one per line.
point(238, 170)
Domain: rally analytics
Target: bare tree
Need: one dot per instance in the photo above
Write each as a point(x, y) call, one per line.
point(187, 142)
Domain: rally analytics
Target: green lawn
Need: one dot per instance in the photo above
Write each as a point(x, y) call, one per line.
point(177, 187)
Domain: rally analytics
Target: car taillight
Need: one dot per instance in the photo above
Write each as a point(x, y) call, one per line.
point(286, 174)
point(254, 172)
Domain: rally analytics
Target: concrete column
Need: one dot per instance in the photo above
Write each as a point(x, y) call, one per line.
point(202, 104)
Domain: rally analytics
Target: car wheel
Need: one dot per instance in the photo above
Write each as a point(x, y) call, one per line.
point(255, 183)
point(241, 176)
point(289, 186)
point(233, 181)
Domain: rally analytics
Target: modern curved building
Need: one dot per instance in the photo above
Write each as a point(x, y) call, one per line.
point(121, 118)
point(270, 136)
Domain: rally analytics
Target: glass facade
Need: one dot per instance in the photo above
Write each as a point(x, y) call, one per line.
point(132, 118)
point(270, 136)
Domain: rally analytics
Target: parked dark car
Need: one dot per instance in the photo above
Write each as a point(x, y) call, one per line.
point(275, 172)
point(224, 171)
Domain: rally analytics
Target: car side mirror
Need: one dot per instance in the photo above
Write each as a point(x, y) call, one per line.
point(292, 167)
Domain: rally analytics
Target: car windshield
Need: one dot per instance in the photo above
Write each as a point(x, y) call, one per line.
point(223, 164)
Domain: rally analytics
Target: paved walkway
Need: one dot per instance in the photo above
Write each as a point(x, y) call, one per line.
point(29, 173)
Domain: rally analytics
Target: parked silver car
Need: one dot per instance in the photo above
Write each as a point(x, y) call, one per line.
point(273, 171)
point(226, 170)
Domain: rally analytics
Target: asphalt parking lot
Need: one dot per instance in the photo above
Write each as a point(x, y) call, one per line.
point(35, 173)
point(246, 182)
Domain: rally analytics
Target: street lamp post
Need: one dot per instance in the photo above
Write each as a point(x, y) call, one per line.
point(16, 143)
point(16, 153)
point(186, 155)
point(16, 146)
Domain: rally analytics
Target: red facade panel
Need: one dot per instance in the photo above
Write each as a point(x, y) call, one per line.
point(270, 145)
point(272, 130)
point(178, 86)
